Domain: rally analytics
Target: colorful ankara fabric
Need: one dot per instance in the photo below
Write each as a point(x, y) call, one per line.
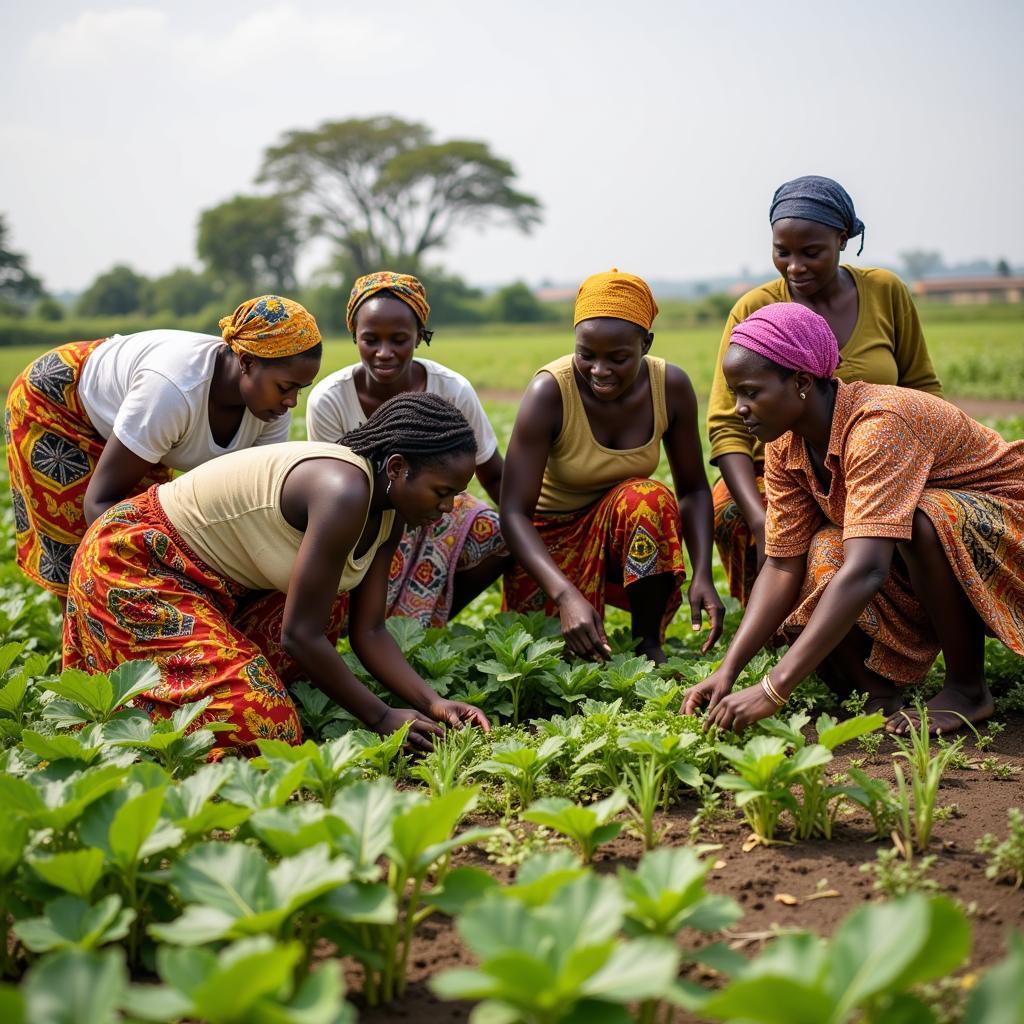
point(616, 294)
point(138, 591)
point(734, 540)
point(52, 451)
point(792, 336)
point(270, 327)
point(403, 286)
point(891, 452)
point(631, 534)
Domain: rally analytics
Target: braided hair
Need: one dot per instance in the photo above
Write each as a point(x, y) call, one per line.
point(423, 428)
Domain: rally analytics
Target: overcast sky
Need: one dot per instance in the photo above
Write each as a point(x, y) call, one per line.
point(653, 133)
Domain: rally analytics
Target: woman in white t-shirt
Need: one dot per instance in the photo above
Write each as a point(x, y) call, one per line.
point(437, 569)
point(93, 422)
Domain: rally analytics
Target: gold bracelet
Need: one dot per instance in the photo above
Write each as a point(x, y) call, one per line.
point(773, 695)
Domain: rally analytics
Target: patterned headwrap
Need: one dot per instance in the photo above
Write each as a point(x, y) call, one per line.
point(270, 327)
point(792, 336)
point(615, 294)
point(822, 200)
point(402, 286)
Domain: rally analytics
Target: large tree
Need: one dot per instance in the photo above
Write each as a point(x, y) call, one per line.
point(387, 195)
point(117, 292)
point(18, 287)
point(250, 241)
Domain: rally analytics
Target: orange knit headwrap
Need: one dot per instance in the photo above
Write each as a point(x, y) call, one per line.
point(270, 327)
point(402, 286)
point(623, 296)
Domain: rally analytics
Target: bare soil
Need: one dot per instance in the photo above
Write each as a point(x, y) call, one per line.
point(795, 871)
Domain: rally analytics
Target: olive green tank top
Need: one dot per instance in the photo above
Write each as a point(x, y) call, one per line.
point(580, 470)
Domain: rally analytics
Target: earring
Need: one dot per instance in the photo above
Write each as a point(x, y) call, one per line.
point(803, 395)
point(388, 490)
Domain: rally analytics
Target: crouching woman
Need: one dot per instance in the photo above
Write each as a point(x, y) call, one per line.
point(895, 529)
point(164, 575)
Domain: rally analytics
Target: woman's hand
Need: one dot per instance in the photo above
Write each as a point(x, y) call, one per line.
point(711, 691)
point(738, 710)
point(582, 627)
point(456, 713)
point(421, 733)
point(704, 599)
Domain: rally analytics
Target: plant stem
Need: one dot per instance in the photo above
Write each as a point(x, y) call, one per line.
point(410, 926)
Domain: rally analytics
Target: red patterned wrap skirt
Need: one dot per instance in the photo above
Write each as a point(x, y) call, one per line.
point(138, 591)
point(52, 451)
point(632, 533)
point(734, 540)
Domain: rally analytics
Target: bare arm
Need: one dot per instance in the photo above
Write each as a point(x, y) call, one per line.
point(489, 474)
point(115, 477)
point(682, 445)
point(538, 423)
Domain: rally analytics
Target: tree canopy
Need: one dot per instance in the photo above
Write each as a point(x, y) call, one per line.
point(250, 241)
point(387, 195)
point(120, 290)
point(18, 286)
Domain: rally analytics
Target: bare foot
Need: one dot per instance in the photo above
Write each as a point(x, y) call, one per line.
point(949, 710)
point(888, 704)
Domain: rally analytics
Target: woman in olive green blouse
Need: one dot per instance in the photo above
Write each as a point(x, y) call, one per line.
point(873, 318)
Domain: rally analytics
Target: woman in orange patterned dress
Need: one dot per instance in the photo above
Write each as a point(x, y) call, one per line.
point(895, 529)
point(578, 509)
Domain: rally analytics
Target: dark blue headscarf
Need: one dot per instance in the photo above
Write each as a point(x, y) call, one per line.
point(819, 199)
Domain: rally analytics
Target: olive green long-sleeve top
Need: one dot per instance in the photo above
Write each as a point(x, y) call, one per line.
point(887, 346)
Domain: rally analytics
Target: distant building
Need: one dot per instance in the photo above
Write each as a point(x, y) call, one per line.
point(965, 290)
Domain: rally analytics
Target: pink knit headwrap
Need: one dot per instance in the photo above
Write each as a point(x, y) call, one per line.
point(792, 336)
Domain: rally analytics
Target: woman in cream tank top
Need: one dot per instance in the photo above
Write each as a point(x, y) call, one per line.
point(579, 511)
point(166, 575)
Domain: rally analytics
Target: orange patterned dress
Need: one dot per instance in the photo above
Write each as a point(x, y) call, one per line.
point(893, 451)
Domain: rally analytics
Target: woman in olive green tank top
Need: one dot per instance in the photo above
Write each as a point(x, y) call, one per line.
point(165, 576)
point(578, 508)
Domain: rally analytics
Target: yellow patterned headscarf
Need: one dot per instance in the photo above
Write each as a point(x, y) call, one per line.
point(270, 327)
point(615, 294)
point(403, 286)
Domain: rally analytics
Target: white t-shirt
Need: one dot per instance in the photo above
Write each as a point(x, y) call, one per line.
point(151, 391)
point(333, 407)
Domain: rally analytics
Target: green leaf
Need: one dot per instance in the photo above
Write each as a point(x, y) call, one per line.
point(360, 903)
point(76, 987)
point(56, 747)
point(843, 732)
point(461, 887)
point(999, 997)
point(76, 872)
point(69, 921)
point(245, 972)
point(769, 1000)
point(134, 833)
point(637, 970)
point(12, 1005)
point(13, 836)
point(886, 947)
point(367, 809)
point(9, 653)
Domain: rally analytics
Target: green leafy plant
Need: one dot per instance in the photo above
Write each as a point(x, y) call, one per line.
point(999, 997)
point(867, 971)
point(1006, 858)
point(586, 826)
point(518, 662)
point(894, 877)
point(172, 742)
point(916, 799)
point(877, 798)
point(252, 980)
point(521, 766)
point(83, 698)
point(69, 922)
point(448, 765)
point(560, 960)
point(653, 764)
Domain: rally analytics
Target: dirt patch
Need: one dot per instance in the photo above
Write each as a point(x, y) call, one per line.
point(797, 870)
point(984, 408)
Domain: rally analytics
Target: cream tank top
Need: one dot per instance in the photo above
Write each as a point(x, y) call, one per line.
point(580, 470)
point(229, 512)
